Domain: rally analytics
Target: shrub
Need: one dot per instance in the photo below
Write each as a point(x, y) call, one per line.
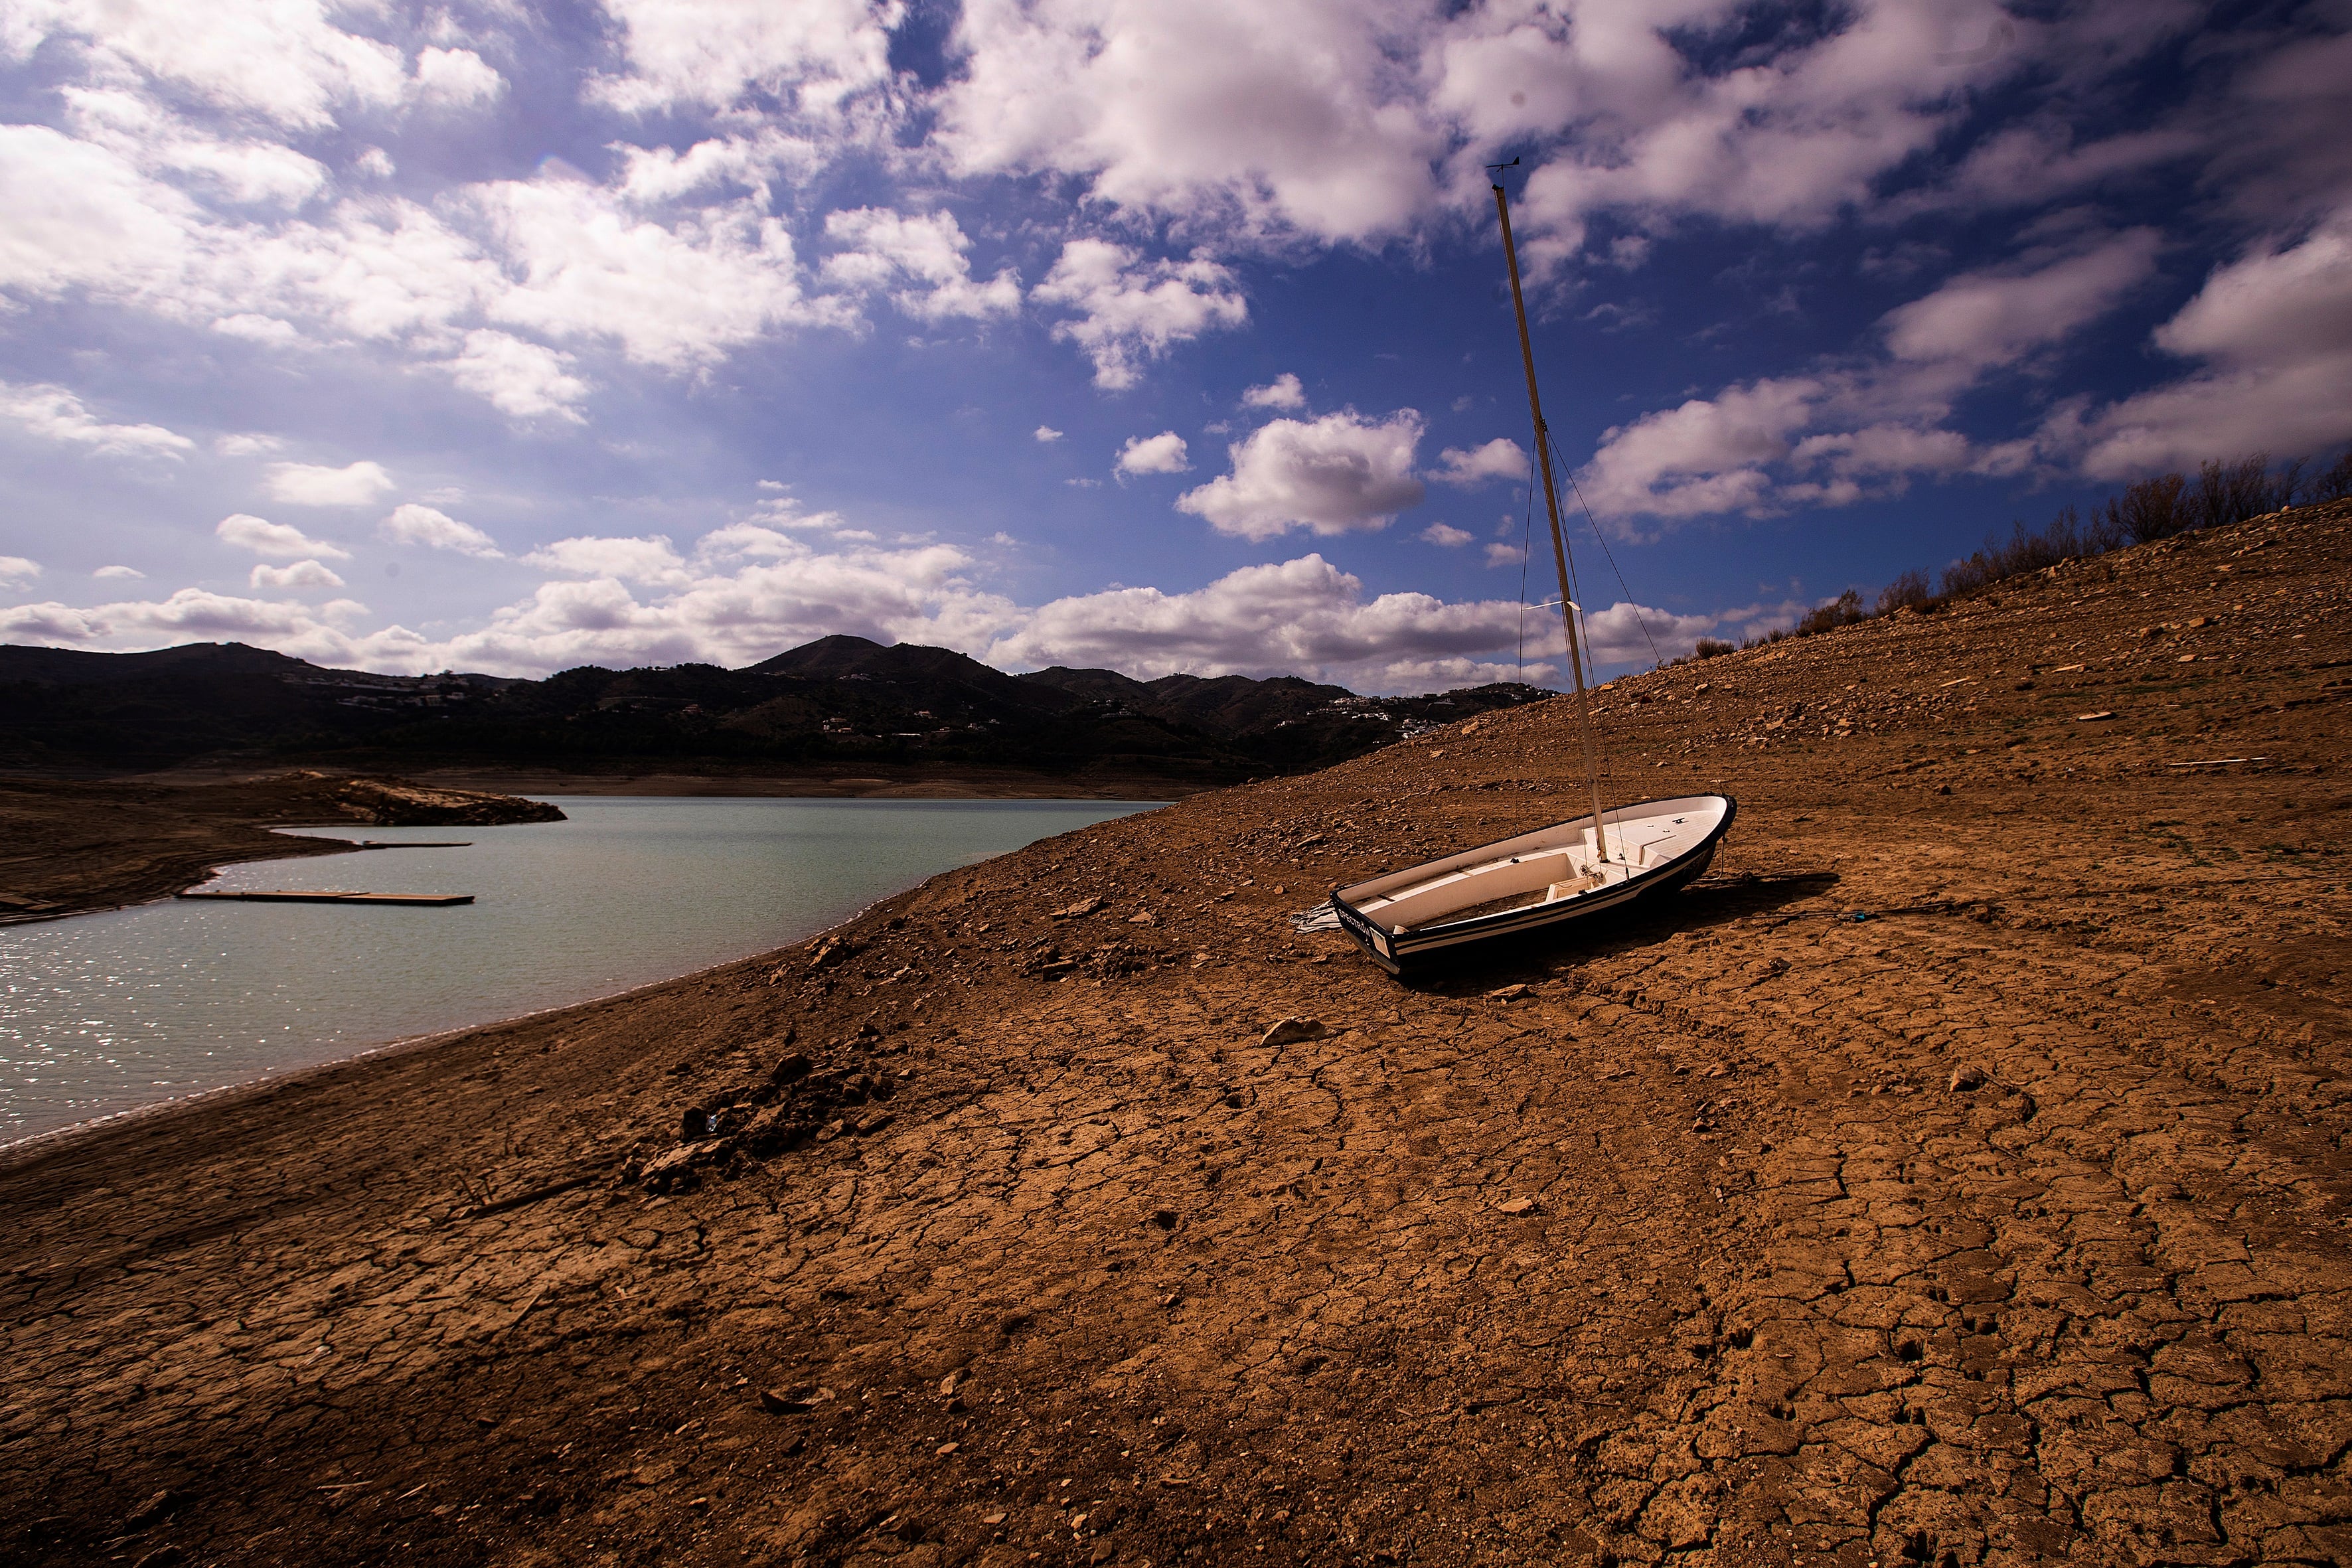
point(1713, 647)
point(2148, 511)
point(1908, 591)
point(2332, 483)
point(2233, 492)
point(1843, 611)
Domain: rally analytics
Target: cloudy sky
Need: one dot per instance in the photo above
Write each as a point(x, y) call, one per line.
point(510, 335)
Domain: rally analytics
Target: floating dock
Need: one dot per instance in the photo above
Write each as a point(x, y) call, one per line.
point(293, 897)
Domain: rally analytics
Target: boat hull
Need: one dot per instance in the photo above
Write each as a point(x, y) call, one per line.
point(1398, 950)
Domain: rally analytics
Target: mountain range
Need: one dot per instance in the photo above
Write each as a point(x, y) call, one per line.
point(836, 701)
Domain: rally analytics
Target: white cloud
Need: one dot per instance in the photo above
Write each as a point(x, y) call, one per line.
point(413, 524)
point(310, 484)
point(1616, 634)
point(928, 251)
point(672, 296)
point(2040, 161)
point(1303, 617)
point(270, 332)
point(1981, 319)
point(1045, 434)
point(246, 445)
point(649, 560)
point(374, 163)
point(1706, 456)
point(301, 575)
point(2275, 331)
point(54, 414)
point(1447, 535)
point(195, 615)
point(458, 78)
point(1299, 116)
point(17, 569)
point(1162, 454)
point(1131, 311)
point(1333, 474)
point(518, 377)
point(1875, 423)
point(81, 216)
point(1885, 450)
point(812, 55)
point(1282, 391)
point(279, 539)
point(1500, 458)
point(1341, 121)
point(747, 592)
point(749, 162)
point(1505, 554)
point(278, 60)
point(240, 173)
point(105, 573)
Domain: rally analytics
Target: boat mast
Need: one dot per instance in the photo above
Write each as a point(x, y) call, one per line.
point(1559, 542)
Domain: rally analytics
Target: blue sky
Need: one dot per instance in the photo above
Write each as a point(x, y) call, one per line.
point(509, 337)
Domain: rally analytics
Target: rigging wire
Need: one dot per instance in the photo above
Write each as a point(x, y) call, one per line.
point(1656, 657)
point(1526, 548)
point(1576, 608)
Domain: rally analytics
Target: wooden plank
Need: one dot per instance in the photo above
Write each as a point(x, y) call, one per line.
point(296, 897)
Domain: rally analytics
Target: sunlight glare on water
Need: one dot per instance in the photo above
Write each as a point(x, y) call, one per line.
point(106, 1012)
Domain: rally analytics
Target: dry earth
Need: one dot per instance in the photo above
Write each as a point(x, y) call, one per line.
point(67, 846)
point(1020, 1242)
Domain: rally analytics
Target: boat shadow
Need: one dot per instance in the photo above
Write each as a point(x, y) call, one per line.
point(1704, 905)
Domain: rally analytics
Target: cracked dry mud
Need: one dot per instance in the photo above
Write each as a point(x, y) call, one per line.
point(1682, 1247)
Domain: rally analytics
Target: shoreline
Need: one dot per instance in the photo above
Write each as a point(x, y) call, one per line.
point(86, 847)
point(297, 833)
point(999, 1224)
point(200, 1101)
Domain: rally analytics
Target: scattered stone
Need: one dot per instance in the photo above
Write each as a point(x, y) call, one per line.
point(794, 1401)
point(1079, 910)
point(1517, 1206)
point(944, 1449)
point(998, 1518)
point(1968, 1079)
point(2093, 718)
point(1289, 1031)
point(1142, 917)
point(162, 1557)
point(951, 1383)
point(1507, 993)
point(833, 950)
point(675, 1170)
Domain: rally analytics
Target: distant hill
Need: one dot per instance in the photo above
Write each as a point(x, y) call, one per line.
point(837, 701)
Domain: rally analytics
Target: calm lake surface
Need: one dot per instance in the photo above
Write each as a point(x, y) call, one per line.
point(103, 1012)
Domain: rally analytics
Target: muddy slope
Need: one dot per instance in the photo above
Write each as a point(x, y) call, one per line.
point(2005, 1225)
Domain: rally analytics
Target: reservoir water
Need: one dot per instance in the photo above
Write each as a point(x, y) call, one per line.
point(103, 1012)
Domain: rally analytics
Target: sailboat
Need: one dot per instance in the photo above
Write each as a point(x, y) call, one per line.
point(1579, 870)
